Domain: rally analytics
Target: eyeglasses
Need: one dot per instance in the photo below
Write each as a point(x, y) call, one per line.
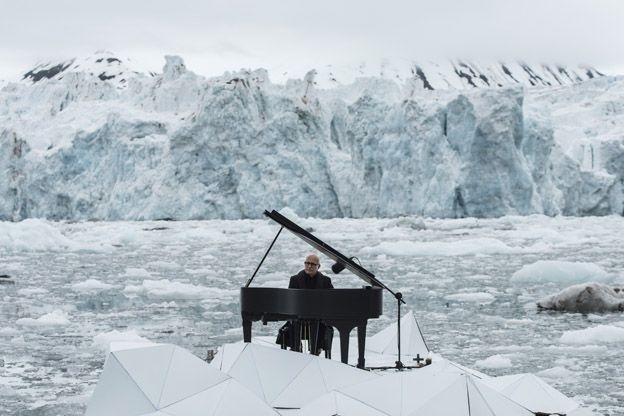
point(307, 263)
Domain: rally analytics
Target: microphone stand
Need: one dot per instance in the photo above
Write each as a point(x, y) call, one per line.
point(399, 297)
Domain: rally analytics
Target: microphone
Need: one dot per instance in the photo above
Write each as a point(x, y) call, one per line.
point(337, 267)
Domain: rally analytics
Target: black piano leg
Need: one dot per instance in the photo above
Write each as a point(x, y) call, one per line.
point(328, 338)
point(361, 344)
point(246, 331)
point(344, 345)
point(314, 337)
point(297, 329)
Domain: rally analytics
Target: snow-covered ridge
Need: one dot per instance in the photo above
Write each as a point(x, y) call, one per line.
point(454, 74)
point(457, 74)
point(102, 65)
point(177, 145)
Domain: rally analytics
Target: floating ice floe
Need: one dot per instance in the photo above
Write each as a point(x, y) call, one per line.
point(478, 297)
point(167, 289)
point(585, 298)
point(560, 271)
point(107, 341)
point(601, 334)
point(478, 246)
point(495, 362)
point(91, 285)
point(55, 318)
point(35, 235)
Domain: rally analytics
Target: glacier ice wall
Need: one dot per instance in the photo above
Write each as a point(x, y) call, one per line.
point(177, 145)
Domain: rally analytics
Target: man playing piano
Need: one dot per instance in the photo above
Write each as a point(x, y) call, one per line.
point(292, 333)
point(310, 277)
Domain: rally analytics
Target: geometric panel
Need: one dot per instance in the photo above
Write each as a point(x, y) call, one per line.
point(117, 394)
point(187, 376)
point(148, 367)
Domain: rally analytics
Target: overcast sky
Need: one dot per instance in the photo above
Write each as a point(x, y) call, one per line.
point(215, 36)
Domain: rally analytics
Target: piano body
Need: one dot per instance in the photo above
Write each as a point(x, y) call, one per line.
point(344, 309)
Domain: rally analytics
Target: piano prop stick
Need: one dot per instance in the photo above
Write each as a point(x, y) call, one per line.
point(343, 309)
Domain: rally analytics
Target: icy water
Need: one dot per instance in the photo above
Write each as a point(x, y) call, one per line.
point(78, 285)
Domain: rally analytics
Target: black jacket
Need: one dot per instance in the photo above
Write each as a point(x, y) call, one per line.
point(303, 281)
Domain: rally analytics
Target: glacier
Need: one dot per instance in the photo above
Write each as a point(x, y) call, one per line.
point(99, 140)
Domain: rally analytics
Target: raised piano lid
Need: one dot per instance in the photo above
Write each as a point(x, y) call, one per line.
point(329, 251)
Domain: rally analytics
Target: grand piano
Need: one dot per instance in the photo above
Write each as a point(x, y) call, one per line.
point(344, 309)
